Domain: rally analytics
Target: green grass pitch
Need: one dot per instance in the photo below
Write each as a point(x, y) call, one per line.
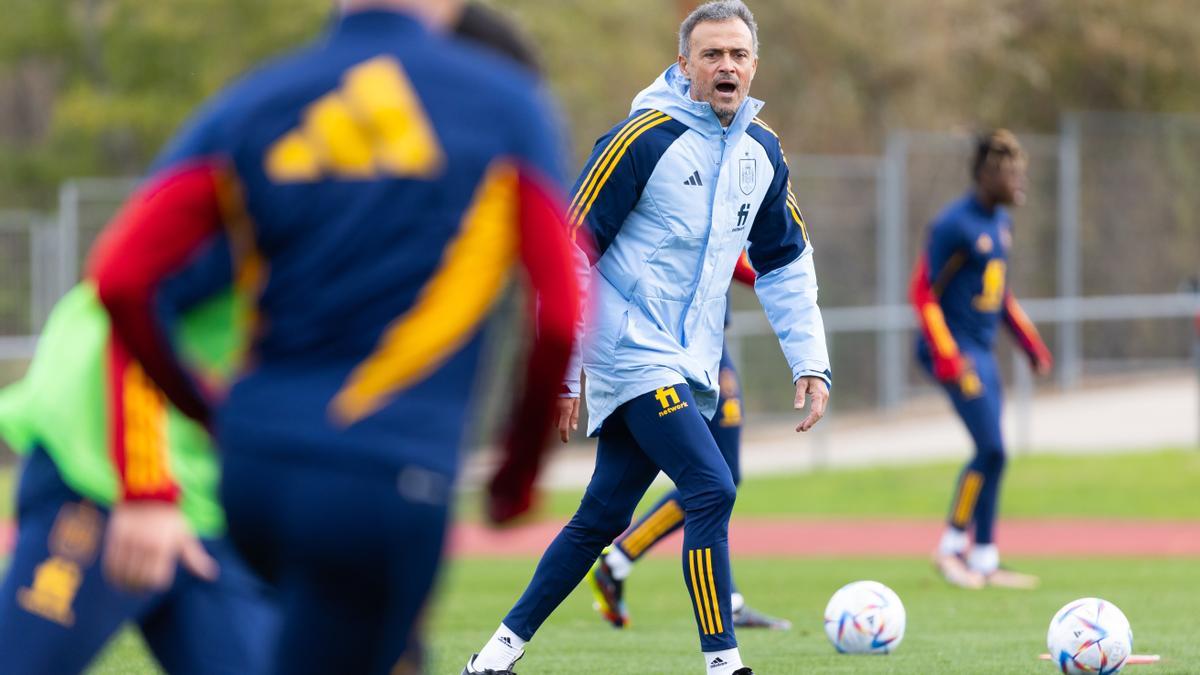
point(1154, 485)
point(949, 630)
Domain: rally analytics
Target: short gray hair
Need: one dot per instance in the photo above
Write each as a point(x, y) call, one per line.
point(720, 10)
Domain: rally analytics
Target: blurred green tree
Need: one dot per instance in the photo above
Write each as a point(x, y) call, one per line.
point(93, 87)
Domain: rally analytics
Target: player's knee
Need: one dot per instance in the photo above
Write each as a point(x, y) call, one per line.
point(714, 499)
point(999, 458)
point(992, 459)
point(593, 521)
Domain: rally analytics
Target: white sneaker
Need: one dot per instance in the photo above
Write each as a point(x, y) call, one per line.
point(956, 573)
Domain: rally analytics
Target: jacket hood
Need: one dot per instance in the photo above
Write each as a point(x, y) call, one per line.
point(669, 94)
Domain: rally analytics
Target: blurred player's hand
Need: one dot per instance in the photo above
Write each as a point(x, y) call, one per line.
point(950, 370)
point(510, 492)
point(815, 392)
point(1043, 364)
point(567, 417)
point(146, 541)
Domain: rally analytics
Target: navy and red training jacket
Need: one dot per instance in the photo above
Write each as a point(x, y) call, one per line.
point(960, 292)
point(375, 189)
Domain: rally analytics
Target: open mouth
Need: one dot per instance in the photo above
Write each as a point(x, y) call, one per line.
point(726, 87)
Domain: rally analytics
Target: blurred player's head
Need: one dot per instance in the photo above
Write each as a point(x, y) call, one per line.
point(487, 27)
point(437, 13)
point(998, 168)
point(718, 52)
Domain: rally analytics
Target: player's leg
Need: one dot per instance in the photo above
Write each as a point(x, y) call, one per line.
point(974, 400)
point(56, 609)
point(352, 556)
point(623, 472)
point(670, 429)
point(608, 575)
point(984, 556)
point(225, 626)
point(726, 428)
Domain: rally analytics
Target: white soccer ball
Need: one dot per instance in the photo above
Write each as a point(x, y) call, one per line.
point(865, 617)
point(1089, 635)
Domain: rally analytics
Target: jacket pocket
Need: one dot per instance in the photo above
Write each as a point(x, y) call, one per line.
point(672, 271)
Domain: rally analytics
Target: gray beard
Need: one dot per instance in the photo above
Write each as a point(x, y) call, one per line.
point(726, 118)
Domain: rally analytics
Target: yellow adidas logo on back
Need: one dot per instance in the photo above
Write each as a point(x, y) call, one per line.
point(372, 126)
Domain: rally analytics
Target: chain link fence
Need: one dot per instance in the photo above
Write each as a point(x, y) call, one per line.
point(1104, 250)
point(1106, 255)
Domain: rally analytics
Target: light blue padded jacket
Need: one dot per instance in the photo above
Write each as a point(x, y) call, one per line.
point(667, 202)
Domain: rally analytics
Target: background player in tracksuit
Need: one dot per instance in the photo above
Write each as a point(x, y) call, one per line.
point(960, 293)
point(607, 577)
point(662, 253)
point(336, 171)
point(112, 478)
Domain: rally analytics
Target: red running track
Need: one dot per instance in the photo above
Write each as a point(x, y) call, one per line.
point(854, 538)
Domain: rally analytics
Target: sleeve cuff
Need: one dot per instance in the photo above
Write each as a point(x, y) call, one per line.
point(826, 375)
point(168, 495)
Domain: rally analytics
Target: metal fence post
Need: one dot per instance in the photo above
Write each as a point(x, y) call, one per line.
point(1023, 400)
point(892, 206)
point(1195, 288)
point(1069, 357)
point(68, 238)
point(1196, 357)
point(43, 269)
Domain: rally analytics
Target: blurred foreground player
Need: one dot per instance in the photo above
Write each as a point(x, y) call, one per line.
point(114, 483)
point(608, 575)
point(337, 171)
point(960, 293)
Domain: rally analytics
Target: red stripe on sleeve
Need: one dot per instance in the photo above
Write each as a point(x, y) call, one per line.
point(545, 250)
point(948, 365)
point(743, 271)
point(156, 233)
point(1026, 333)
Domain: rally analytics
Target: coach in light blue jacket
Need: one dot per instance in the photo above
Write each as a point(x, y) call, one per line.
point(670, 198)
point(663, 209)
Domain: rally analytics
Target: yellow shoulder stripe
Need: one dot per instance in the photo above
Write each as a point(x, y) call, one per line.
point(766, 126)
point(604, 166)
point(586, 184)
point(793, 204)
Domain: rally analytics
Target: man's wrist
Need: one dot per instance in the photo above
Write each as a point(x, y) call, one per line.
point(825, 376)
point(165, 495)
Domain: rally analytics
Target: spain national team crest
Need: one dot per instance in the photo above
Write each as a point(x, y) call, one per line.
point(748, 170)
point(984, 244)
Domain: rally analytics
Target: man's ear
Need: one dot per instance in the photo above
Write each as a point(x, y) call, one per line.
point(683, 65)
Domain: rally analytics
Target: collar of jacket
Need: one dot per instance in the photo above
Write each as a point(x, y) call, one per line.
point(669, 94)
point(376, 20)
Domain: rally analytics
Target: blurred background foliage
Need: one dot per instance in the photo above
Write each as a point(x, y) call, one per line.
point(94, 87)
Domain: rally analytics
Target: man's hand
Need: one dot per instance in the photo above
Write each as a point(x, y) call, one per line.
point(950, 370)
point(813, 390)
point(145, 542)
point(1043, 365)
point(510, 493)
point(567, 417)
